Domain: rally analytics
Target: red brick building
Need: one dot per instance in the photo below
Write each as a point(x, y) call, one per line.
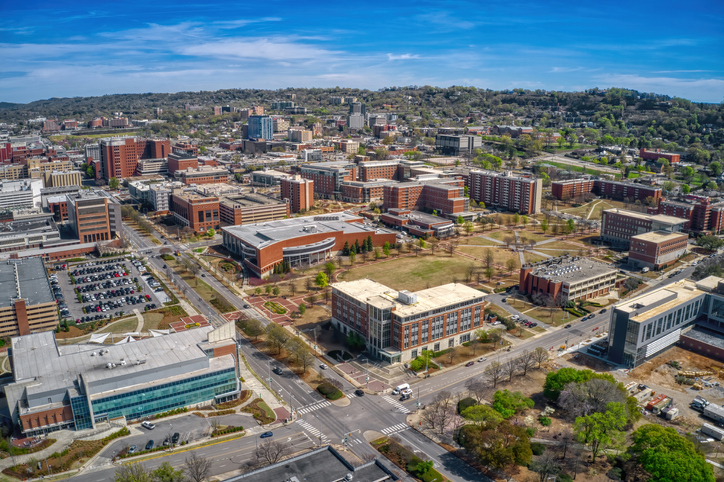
point(697, 209)
point(503, 189)
point(618, 226)
point(657, 249)
point(444, 196)
point(186, 148)
point(571, 188)
point(567, 278)
point(181, 161)
point(626, 190)
point(119, 157)
point(328, 177)
point(196, 211)
point(299, 193)
point(657, 154)
point(364, 192)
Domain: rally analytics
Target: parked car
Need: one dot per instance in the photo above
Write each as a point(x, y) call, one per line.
point(132, 449)
point(148, 425)
point(150, 445)
point(175, 438)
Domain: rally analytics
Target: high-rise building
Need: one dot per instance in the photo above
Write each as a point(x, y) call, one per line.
point(260, 127)
point(356, 121)
point(455, 145)
point(503, 189)
point(618, 225)
point(299, 192)
point(94, 216)
point(357, 108)
point(120, 156)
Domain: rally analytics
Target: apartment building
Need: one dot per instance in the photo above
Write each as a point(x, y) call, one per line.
point(657, 249)
point(572, 188)
point(260, 127)
point(28, 305)
point(398, 326)
point(202, 175)
point(120, 156)
point(299, 193)
point(300, 135)
point(93, 216)
point(250, 208)
point(197, 211)
point(348, 146)
point(451, 145)
point(618, 225)
point(159, 195)
point(701, 213)
point(445, 196)
point(364, 192)
point(567, 278)
point(328, 176)
point(506, 190)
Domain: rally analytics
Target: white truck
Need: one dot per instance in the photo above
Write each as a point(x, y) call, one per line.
point(712, 431)
point(645, 270)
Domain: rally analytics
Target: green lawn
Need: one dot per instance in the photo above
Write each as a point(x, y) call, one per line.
point(123, 326)
point(500, 255)
point(477, 241)
point(89, 136)
point(533, 258)
point(571, 167)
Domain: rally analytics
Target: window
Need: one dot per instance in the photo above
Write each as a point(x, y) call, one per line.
point(451, 343)
point(436, 347)
point(414, 354)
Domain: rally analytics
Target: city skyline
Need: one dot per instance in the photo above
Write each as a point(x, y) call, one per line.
point(88, 49)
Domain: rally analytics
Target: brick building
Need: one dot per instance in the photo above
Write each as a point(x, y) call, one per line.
point(185, 148)
point(195, 210)
point(300, 135)
point(120, 156)
point(328, 176)
point(657, 249)
point(503, 189)
point(697, 209)
point(301, 241)
point(365, 192)
point(398, 326)
point(657, 154)
point(572, 188)
point(28, 305)
point(446, 196)
point(418, 224)
point(93, 216)
point(618, 225)
point(567, 278)
point(202, 176)
point(181, 161)
point(250, 208)
point(299, 193)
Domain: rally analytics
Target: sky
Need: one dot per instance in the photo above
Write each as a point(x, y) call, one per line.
point(82, 48)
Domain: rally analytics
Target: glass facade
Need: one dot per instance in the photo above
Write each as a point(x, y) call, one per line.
point(81, 413)
point(181, 393)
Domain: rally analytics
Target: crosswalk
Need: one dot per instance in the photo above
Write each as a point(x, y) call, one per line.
point(395, 428)
point(309, 428)
point(351, 395)
point(355, 441)
point(400, 407)
point(314, 406)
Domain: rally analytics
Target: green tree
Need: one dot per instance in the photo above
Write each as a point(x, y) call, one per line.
point(211, 232)
point(524, 220)
point(345, 250)
point(571, 226)
point(483, 416)
point(687, 172)
point(557, 381)
point(132, 473)
point(355, 341)
point(602, 430)
point(386, 249)
point(715, 168)
point(302, 308)
point(516, 219)
point(275, 291)
point(468, 227)
point(321, 280)
point(114, 183)
point(276, 336)
point(166, 473)
point(668, 456)
point(544, 226)
point(685, 189)
point(352, 257)
point(329, 269)
point(709, 242)
point(509, 403)
point(460, 220)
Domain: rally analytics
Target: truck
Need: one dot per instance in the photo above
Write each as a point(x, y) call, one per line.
point(645, 270)
point(631, 386)
point(665, 403)
point(699, 403)
point(712, 431)
point(714, 412)
point(654, 401)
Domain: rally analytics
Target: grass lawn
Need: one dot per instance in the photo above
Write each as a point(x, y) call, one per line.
point(585, 170)
point(161, 319)
point(312, 317)
point(527, 234)
point(477, 241)
point(209, 294)
point(89, 136)
point(544, 315)
point(532, 257)
point(595, 213)
point(123, 326)
point(501, 235)
point(498, 309)
point(414, 272)
point(559, 245)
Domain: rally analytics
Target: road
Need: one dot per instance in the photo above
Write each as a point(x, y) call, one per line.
point(575, 162)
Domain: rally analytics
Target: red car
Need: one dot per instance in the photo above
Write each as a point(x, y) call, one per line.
point(469, 364)
point(148, 297)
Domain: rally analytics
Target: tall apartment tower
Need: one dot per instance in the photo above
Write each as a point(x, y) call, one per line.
point(299, 192)
point(260, 127)
point(357, 108)
point(515, 193)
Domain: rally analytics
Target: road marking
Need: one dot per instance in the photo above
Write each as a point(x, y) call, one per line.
point(400, 407)
point(307, 426)
point(395, 428)
point(314, 406)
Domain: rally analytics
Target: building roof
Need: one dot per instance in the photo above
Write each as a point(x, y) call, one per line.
point(324, 465)
point(249, 199)
point(425, 300)
point(661, 218)
point(38, 357)
point(710, 283)
point(261, 235)
point(659, 236)
point(504, 174)
point(26, 279)
point(569, 269)
point(653, 303)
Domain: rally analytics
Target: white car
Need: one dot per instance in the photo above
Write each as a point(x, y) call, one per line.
point(148, 425)
point(323, 366)
point(515, 317)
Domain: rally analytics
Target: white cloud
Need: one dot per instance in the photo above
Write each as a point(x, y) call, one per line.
point(392, 57)
point(257, 48)
point(697, 90)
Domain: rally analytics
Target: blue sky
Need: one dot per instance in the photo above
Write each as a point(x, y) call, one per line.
point(65, 49)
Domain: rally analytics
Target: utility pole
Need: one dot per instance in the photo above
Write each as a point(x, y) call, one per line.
point(417, 403)
point(367, 380)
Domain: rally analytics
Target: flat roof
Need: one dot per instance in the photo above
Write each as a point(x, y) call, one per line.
point(710, 283)
point(261, 235)
point(24, 278)
point(704, 335)
point(381, 296)
point(38, 357)
point(570, 269)
point(653, 303)
point(249, 199)
point(659, 236)
point(662, 218)
point(324, 465)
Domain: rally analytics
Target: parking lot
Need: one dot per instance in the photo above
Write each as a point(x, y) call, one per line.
point(107, 288)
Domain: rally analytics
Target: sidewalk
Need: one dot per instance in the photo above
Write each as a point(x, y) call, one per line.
point(251, 382)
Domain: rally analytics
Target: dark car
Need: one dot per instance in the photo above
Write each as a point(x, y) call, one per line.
point(591, 315)
point(175, 438)
point(603, 311)
point(266, 435)
point(504, 300)
point(359, 392)
point(277, 370)
point(149, 445)
point(469, 364)
point(567, 326)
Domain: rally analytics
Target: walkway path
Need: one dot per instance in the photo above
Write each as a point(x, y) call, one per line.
point(139, 317)
point(520, 253)
point(492, 239)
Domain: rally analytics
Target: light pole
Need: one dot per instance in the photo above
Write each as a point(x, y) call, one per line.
point(367, 379)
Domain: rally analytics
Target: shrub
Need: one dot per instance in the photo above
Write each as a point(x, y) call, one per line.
point(175, 411)
point(115, 435)
point(466, 403)
point(227, 430)
point(329, 391)
point(545, 421)
point(537, 448)
point(167, 257)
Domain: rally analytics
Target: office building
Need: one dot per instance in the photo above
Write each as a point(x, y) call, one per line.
point(300, 135)
point(419, 224)
point(181, 161)
point(260, 127)
point(328, 176)
point(657, 154)
point(506, 190)
point(62, 178)
point(299, 193)
point(58, 387)
point(364, 192)
point(398, 326)
point(250, 208)
point(202, 175)
point(93, 216)
point(618, 225)
point(355, 121)
point(120, 156)
point(32, 233)
point(152, 167)
point(567, 278)
point(268, 178)
point(657, 249)
point(281, 124)
point(452, 145)
point(312, 155)
point(301, 241)
point(197, 211)
point(357, 108)
point(27, 304)
point(21, 194)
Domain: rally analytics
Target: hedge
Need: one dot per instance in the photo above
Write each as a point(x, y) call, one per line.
point(227, 431)
point(115, 435)
point(175, 411)
point(466, 403)
point(330, 391)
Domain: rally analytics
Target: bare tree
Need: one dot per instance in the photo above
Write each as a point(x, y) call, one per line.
point(494, 373)
point(488, 258)
point(271, 452)
point(526, 361)
point(439, 413)
point(585, 398)
point(510, 368)
point(567, 439)
point(540, 355)
point(477, 388)
point(214, 422)
point(545, 466)
point(197, 468)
